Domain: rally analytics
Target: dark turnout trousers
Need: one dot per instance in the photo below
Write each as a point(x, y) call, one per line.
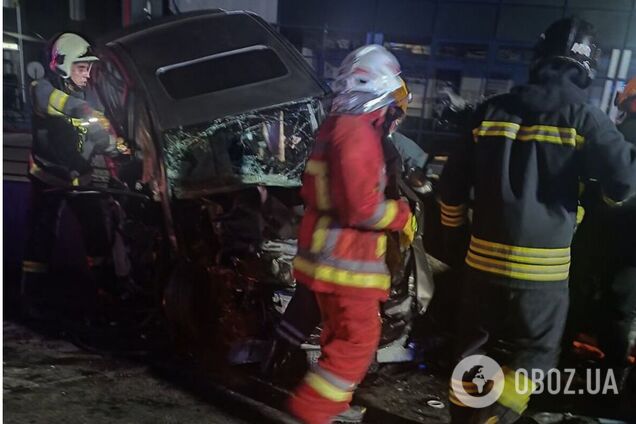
point(520, 328)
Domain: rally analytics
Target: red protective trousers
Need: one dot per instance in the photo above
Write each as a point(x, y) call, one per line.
point(349, 339)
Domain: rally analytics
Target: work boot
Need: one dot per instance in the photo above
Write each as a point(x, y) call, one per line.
point(355, 414)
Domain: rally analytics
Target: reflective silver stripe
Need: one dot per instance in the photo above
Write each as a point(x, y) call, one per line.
point(333, 379)
point(377, 215)
point(382, 180)
point(368, 267)
point(332, 240)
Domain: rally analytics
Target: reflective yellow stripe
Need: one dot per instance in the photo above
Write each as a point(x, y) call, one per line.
point(541, 269)
point(61, 101)
point(495, 133)
point(322, 193)
point(580, 214)
point(57, 101)
point(389, 214)
point(453, 216)
point(489, 124)
point(342, 277)
point(319, 170)
point(555, 139)
point(505, 269)
point(453, 222)
point(35, 267)
point(326, 389)
point(79, 123)
point(380, 248)
point(316, 167)
point(541, 133)
point(518, 258)
point(549, 128)
point(512, 396)
point(526, 251)
point(452, 210)
point(319, 237)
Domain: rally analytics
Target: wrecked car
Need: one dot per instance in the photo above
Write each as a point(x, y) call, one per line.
point(220, 112)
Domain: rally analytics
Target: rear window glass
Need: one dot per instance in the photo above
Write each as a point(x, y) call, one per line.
point(221, 71)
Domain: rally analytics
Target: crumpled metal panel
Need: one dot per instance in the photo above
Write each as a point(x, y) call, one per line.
point(268, 147)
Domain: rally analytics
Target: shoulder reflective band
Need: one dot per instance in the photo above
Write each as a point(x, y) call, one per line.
point(57, 101)
point(540, 133)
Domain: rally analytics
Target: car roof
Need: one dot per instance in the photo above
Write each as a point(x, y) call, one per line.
point(195, 36)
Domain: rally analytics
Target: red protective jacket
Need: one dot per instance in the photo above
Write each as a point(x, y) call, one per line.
point(342, 237)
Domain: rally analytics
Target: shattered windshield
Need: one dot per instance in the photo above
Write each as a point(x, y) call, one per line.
point(268, 147)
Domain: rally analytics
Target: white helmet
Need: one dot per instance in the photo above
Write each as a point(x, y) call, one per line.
point(366, 80)
point(67, 49)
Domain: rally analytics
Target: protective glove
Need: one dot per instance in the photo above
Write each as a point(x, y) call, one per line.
point(114, 145)
point(408, 232)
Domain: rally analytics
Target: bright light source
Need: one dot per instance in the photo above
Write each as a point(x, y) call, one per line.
point(92, 119)
point(9, 46)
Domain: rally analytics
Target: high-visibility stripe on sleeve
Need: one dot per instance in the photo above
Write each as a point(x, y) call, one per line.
point(453, 216)
point(57, 101)
point(453, 222)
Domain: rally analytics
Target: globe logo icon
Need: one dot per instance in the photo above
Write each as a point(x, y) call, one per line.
point(486, 377)
point(479, 380)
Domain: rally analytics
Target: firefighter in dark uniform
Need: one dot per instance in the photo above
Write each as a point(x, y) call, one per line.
point(69, 134)
point(616, 335)
point(523, 162)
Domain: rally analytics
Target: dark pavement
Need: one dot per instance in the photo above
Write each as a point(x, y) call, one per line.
point(50, 380)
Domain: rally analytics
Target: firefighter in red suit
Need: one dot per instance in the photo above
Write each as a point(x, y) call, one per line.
point(343, 235)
